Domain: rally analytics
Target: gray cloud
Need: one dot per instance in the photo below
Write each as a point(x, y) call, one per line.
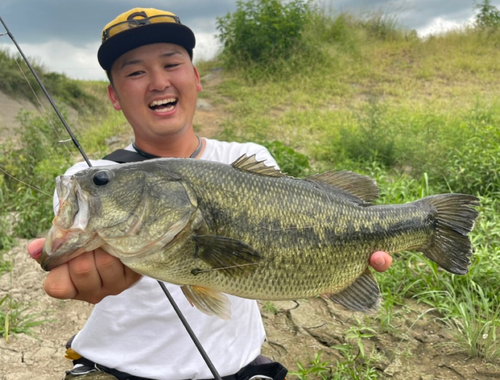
point(65, 34)
point(414, 14)
point(81, 22)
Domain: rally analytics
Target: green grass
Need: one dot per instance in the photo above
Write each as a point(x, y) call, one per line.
point(421, 116)
point(15, 318)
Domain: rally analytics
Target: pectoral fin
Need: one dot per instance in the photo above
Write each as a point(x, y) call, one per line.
point(230, 255)
point(362, 295)
point(208, 301)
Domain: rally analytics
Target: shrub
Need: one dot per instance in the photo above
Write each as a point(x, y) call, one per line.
point(488, 16)
point(290, 162)
point(262, 31)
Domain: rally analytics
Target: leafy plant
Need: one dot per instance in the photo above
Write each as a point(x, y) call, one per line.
point(290, 162)
point(270, 307)
point(353, 366)
point(315, 369)
point(488, 16)
point(262, 31)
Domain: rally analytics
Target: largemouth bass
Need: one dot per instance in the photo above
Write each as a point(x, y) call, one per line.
point(249, 230)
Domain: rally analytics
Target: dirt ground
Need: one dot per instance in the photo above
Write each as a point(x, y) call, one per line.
point(419, 347)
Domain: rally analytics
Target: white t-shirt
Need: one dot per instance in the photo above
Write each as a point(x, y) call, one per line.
point(138, 332)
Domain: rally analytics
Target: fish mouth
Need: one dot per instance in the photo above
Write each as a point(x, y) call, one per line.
point(68, 227)
point(52, 256)
point(163, 105)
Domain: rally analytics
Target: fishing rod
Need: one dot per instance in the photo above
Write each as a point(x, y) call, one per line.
point(82, 152)
point(68, 129)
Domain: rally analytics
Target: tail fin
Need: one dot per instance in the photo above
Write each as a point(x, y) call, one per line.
point(454, 219)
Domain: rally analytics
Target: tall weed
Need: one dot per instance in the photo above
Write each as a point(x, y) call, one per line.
point(18, 81)
point(372, 140)
point(33, 157)
point(473, 162)
point(15, 318)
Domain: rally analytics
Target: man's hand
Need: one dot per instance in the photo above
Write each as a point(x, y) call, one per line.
point(380, 261)
point(89, 277)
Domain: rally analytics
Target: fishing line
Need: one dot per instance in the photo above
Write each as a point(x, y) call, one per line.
point(24, 183)
point(80, 149)
point(68, 129)
point(40, 103)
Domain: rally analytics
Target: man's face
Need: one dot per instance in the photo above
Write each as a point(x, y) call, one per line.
point(155, 86)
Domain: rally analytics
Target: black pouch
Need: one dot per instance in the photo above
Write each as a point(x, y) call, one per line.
point(266, 371)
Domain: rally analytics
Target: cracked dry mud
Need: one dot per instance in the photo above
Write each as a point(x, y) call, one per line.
point(420, 347)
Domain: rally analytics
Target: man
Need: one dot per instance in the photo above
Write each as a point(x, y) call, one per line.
point(133, 332)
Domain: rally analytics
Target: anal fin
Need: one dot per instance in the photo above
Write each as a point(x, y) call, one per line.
point(208, 301)
point(362, 295)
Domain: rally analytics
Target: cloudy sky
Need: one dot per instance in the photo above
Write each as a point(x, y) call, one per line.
point(64, 35)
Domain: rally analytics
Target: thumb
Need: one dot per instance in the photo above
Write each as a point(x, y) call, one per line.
point(35, 248)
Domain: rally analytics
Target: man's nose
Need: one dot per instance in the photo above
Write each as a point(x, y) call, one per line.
point(159, 81)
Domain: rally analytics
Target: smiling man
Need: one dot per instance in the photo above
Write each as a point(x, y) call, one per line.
point(133, 333)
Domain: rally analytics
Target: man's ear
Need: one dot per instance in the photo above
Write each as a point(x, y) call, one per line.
point(114, 98)
point(198, 81)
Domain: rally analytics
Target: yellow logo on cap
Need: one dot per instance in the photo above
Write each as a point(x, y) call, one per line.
point(137, 17)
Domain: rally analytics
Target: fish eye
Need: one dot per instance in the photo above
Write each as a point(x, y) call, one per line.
point(101, 178)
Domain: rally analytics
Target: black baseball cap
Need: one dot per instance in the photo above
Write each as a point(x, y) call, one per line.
point(142, 26)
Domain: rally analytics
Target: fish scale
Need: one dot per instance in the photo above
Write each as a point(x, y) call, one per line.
point(249, 230)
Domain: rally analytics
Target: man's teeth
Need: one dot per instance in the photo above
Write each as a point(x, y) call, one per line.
point(164, 103)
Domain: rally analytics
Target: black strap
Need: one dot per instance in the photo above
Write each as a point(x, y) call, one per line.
point(261, 367)
point(123, 156)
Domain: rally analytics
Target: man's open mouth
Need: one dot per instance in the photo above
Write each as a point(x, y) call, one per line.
point(163, 105)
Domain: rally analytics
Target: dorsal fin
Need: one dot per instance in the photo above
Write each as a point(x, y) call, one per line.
point(357, 185)
point(251, 165)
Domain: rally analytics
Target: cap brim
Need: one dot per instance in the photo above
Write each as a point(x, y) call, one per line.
point(127, 40)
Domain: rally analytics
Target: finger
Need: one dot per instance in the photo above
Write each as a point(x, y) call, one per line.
point(58, 283)
point(35, 248)
point(114, 275)
point(380, 261)
point(85, 278)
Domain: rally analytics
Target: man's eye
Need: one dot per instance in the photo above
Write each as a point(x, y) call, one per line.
point(135, 73)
